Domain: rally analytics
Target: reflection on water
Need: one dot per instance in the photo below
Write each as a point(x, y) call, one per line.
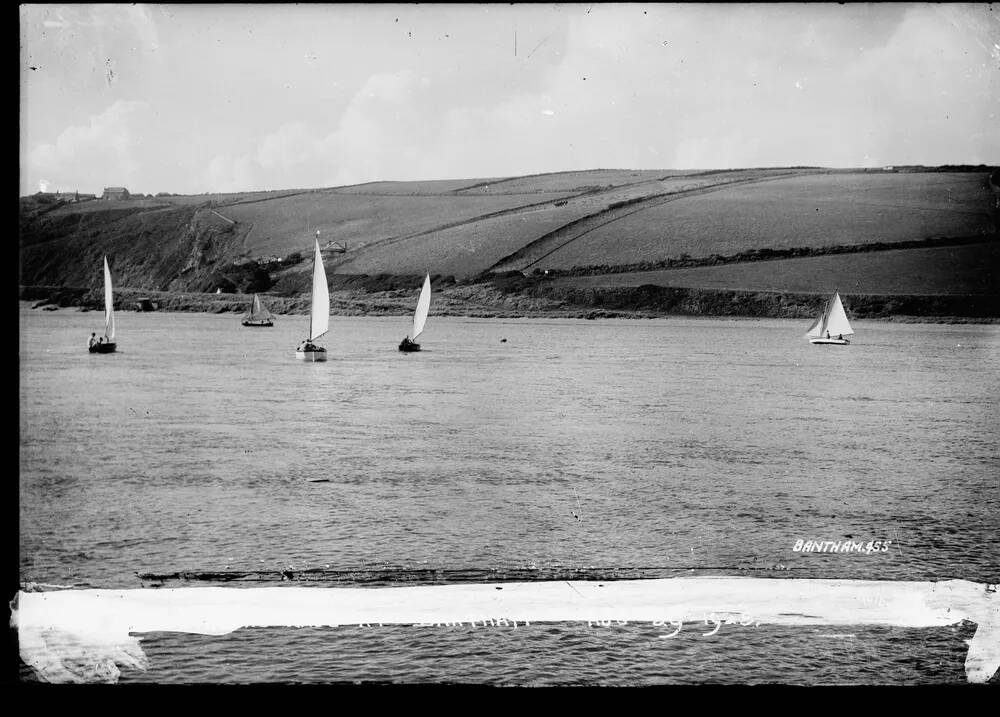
point(669, 444)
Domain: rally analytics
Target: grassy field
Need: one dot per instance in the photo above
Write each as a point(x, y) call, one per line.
point(429, 187)
point(221, 200)
point(281, 226)
point(956, 270)
point(601, 220)
point(573, 181)
point(475, 246)
point(100, 205)
point(811, 210)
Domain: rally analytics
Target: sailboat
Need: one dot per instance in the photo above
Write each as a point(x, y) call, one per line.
point(832, 325)
point(258, 316)
point(106, 344)
point(319, 314)
point(419, 317)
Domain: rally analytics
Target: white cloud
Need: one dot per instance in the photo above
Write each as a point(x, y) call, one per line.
point(228, 174)
point(620, 86)
point(723, 150)
point(104, 152)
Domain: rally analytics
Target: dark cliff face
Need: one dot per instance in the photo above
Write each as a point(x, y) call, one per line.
point(164, 248)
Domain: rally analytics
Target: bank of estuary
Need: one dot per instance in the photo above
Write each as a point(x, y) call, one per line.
point(767, 243)
point(535, 297)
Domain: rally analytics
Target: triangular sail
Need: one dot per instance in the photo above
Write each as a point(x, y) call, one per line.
point(832, 321)
point(816, 330)
point(423, 306)
point(319, 317)
point(836, 321)
point(257, 310)
point(109, 305)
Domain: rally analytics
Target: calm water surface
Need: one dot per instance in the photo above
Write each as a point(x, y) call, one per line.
point(679, 446)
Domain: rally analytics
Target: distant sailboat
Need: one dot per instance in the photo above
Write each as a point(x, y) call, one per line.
point(258, 316)
point(419, 317)
point(832, 325)
point(319, 314)
point(106, 344)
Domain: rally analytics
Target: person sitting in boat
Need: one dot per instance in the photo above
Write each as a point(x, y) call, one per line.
point(406, 343)
point(840, 337)
point(307, 346)
point(92, 340)
point(828, 334)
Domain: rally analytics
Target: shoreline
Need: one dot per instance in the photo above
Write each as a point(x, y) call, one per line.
point(347, 304)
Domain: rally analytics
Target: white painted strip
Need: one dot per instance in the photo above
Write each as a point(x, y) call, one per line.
point(81, 635)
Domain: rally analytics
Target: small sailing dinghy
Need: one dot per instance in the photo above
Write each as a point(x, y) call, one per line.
point(106, 344)
point(832, 325)
point(319, 314)
point(419, 317)
point(258, 316)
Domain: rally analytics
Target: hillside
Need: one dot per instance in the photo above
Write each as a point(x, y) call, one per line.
point(970, 269)
point(808, 210)
point(602, 222)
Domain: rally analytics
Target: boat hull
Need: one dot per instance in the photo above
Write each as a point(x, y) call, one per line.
point(409, 347)
point(261, 322)
point(311, 355)
point(103, 348)
point(839, 342)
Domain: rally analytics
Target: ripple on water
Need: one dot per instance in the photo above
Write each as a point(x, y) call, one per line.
point(621, 445)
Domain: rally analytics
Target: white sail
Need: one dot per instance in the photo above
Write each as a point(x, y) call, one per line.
point(109, 305)
point(319, 318)
point(836, 319)
point(816, 330)
point(423, 306)
point(255, 306)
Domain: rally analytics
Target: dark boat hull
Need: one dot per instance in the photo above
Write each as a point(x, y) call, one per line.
point(408, 347)
point(103, 348)
point(260, 322)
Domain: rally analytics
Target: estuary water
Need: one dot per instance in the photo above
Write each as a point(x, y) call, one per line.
point(662, 447)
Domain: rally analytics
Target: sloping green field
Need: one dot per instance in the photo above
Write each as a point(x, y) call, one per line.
point(218, 200)
point(601, 219)
point(100, 205)
point(571, 181)
point(958, 270)
point(809, 210)
point(281, 226)
point(475, 246)
point(433, 186)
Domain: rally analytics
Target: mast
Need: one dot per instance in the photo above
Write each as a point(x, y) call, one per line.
point(312, 306)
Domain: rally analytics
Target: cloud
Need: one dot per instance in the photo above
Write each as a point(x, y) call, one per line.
point(104, 150)
point(715, 151)
point(620, 86)
point(383, 130)
point(228, 174)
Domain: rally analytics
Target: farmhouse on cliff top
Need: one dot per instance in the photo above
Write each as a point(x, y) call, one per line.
point(115, 193)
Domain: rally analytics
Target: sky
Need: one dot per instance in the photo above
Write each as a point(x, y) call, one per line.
point(224, 98)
